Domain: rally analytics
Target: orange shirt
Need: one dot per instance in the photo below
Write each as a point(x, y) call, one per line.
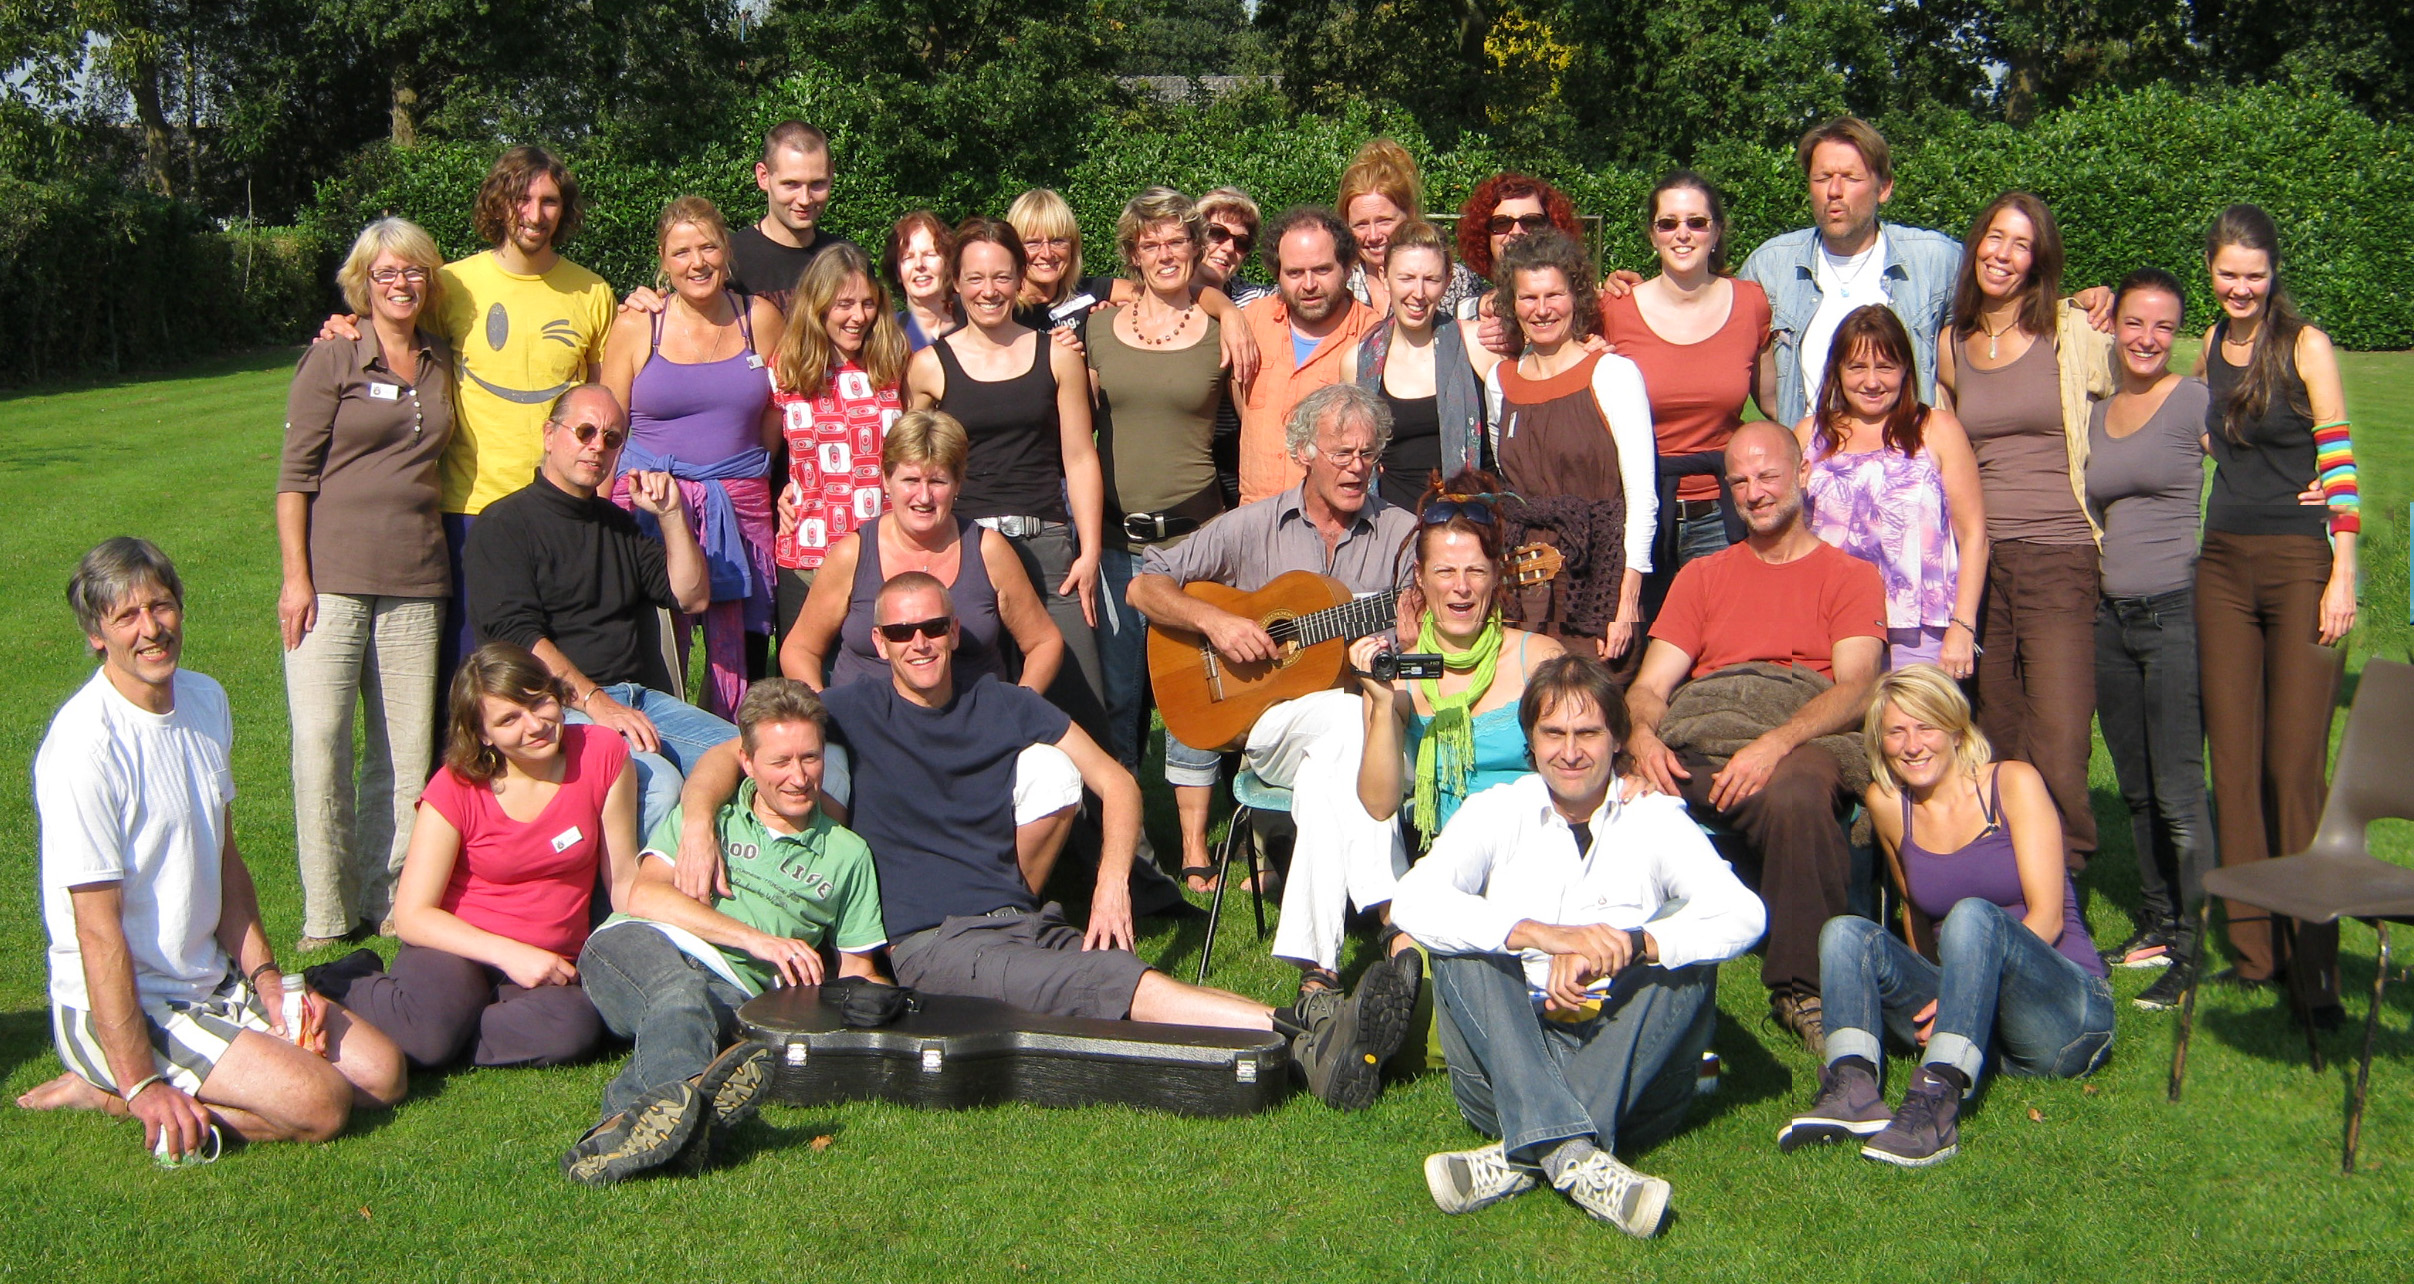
point(1698, 390)
point(1266, 468)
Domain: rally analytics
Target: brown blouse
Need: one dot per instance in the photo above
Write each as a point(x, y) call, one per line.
point(366, 443)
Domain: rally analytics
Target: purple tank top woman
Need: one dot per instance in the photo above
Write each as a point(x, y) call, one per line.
point(1986, 868)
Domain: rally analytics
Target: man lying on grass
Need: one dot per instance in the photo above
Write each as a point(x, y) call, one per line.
point(672, 972)
point(937, 770)
point(164, 999)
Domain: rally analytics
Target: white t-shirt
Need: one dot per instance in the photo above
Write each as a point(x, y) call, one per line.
point(138, 798)
point(1844, 284)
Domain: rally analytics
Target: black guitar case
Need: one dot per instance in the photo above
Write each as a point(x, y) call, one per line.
point(959, 1052)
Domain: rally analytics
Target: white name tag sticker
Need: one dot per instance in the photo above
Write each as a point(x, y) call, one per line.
point(754, 360)
point(563, 840)
point(384, 392)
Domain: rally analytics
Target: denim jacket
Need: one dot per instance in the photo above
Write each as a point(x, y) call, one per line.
point(1920, 272)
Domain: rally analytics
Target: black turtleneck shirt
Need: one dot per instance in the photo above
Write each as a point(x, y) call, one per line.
point(543, 563)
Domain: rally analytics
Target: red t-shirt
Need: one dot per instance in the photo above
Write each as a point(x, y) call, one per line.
point(1697, 390)
point(1731, 608)
point(532, 881)
point(834, 441)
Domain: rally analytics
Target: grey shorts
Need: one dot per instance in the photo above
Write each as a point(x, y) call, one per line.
point(1032, 960)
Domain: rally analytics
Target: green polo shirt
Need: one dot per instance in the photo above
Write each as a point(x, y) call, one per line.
point(811, 886)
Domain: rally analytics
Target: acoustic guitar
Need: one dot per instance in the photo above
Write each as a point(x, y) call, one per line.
point(1210, 702)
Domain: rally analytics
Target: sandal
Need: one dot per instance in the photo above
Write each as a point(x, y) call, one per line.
point(1318, 978)
point(1199, 878)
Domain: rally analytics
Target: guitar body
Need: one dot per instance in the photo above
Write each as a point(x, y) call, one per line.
point(1209, 702)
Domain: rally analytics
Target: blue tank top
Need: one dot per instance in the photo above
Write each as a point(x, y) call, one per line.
point(1500, 753)
point(1985, 867)
point(979, 625)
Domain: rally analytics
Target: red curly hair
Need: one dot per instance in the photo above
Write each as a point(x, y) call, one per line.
point(1474, 234)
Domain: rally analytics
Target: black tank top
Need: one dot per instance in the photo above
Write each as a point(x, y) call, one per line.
point(2255, 482)
point(1415, 452)
point(1016, 467)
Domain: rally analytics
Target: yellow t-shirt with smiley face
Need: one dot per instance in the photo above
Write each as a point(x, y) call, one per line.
point(519, 342)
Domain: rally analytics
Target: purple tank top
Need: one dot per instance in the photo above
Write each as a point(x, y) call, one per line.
point(975, 598)
point(1986, 868)
point(704, 412)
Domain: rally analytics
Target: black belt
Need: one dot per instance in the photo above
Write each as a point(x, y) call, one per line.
point(1692, 509)
point(1148, 528)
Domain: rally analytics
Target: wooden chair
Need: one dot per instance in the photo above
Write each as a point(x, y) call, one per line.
point(2338, 877)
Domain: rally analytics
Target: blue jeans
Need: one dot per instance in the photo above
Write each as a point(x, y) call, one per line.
point(2150, 708)
point(1999, 982)
point(1624, 1077)
point(1122, 656)
point(679, 1012)
point(685, 731)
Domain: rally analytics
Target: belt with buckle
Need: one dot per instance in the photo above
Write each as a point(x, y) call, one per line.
point(1148, 528)
point(1692, 509)
point(1013, 527)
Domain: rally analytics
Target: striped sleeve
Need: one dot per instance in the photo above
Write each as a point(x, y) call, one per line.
point(2334, 464)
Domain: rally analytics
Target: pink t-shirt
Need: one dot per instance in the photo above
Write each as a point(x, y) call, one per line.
point(531, 881)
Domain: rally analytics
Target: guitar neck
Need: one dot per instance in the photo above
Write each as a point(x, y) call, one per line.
point(1349, 621)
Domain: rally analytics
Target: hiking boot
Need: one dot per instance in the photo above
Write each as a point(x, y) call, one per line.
point(2170, 989)
point(1847, 1108)
point(656, 1127)
point(1921, 1132)
point(1799, 1015)
point(1341, 1043)
point(2146, 947)
point(1465, 1180)
point(1615, 1193)
point(734, 1082)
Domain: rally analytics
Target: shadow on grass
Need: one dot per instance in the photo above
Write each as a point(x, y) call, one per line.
point(24, 1037)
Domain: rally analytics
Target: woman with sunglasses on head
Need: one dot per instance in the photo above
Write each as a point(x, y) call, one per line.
point(1381, 193)
point(1893, 482)
point(919, 248)
point(1229, 219)
point(922, 461)
point(2275, 586)
point(1419, 361)
point(1698, 334)
point(1457, 735)
point(691, 376)
point(837, 376)
point(1571, 429)
point(527, 819)
point(2020, 368)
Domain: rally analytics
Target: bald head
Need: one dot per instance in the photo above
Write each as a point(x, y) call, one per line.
point(1762, 436)
point(1764, 469)
point(583, 437)
point(591, 403)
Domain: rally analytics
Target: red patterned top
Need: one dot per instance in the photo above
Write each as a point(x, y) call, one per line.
point(833, 461)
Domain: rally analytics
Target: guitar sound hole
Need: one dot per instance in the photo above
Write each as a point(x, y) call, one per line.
point(1286, 649)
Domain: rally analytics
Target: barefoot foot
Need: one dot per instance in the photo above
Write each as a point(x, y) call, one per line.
point(67, 1092)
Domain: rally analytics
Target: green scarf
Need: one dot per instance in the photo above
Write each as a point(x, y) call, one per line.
point(1447, 752)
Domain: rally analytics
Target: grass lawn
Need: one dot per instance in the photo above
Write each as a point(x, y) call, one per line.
point(2056, 1181)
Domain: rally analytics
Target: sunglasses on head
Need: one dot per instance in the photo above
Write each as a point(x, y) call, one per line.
point(1690, 222)
point(1440, 511)
point(1503, 224)
point(613, 438)
point(934, 627)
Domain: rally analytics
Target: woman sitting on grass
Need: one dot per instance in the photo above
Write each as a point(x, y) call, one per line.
point(2015, 967)
point(496, 894)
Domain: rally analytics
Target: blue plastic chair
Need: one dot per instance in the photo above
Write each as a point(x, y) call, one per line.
point(1256, 803)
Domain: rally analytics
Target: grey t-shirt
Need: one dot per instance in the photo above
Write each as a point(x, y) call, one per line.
point(1247, 547)
point(2148, 487)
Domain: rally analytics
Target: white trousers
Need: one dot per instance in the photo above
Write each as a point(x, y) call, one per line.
point(1343, 856)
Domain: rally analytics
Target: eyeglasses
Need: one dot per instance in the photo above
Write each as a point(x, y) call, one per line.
point(1047, 243)
point(1691, 223)
point(1346, 458)
point(388, 276)
point(613, 438)
point(1442, 510)
point(1503, 224)
point(1169, 245)
point(934, 627)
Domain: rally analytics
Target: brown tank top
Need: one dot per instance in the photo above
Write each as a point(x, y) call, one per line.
point(2014, 418)
point(1554, 443)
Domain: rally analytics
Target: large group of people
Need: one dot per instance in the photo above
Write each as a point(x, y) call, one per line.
point(921, 514)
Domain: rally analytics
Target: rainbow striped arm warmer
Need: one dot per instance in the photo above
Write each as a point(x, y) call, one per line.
point(2334, 464)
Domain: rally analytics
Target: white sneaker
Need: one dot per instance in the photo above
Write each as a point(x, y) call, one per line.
point(1465, 1180)
point(1615, 1193)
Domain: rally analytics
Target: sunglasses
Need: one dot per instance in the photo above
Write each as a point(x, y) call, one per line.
point(934, 627)
point(1219, 234)
point(1691, 223)
point(613, 438)
point(1442, 510)
point(1502, 224)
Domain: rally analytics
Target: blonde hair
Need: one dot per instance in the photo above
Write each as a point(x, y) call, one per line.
point(1231, 200)
point(1383, 168)
point(1924, 692)
point(689, 211)
point(1156, 205)
point(1417, 234)
point(403, 239)
point(1040, 214)
point(927, 438)
point(805, 360)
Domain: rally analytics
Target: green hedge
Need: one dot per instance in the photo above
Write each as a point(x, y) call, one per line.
point(100, 279)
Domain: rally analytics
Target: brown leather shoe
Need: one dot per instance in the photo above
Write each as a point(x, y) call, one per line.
point(1799, 1015)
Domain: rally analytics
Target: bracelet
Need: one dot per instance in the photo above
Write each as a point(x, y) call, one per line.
point(140, 1084)
point(252, 978)
point(580, 702)
point(1952, 620)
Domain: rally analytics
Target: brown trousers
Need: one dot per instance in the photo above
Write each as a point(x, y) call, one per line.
point(1794, 826)
point(2036, 681)
point(2269, 689)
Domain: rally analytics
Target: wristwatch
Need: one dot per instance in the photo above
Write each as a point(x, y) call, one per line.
point(1634, 936)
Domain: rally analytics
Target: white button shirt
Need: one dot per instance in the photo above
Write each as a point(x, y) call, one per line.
point(1508, 856)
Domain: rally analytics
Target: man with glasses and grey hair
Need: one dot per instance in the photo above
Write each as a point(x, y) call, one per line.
point(1333, 523)
point(165, 1000)
point(559, 569)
